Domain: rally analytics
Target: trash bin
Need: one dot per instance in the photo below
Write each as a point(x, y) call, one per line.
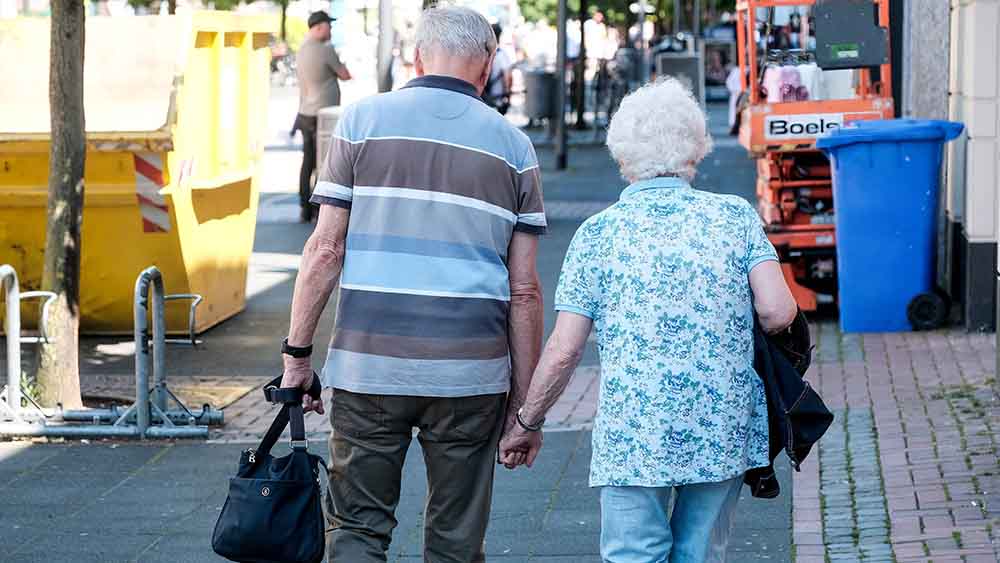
point(326, 124)
point(886, 177)
point(539, 94)
point(176, 112)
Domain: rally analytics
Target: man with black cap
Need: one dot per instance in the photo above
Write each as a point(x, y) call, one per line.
point(318, 68)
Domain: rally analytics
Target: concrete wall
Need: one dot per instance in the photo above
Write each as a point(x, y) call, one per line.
point(975, 100)
point(921, 52)
point(925, 66)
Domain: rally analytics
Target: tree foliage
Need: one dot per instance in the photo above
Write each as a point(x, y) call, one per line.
point(154, 5)
point(617, 11)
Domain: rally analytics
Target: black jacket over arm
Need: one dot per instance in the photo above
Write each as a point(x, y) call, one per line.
point(796, 415)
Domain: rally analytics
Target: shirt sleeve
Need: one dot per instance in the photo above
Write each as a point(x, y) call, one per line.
point(531, 208)
point(578, 290)
point(335, 182)
point(759, 248)
point(333, 60)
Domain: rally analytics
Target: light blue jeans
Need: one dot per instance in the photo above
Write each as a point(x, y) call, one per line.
point(636, 526)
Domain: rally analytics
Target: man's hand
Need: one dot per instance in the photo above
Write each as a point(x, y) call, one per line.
point(299, 373)
point(519, 447)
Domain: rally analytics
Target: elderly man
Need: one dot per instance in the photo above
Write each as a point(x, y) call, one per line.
point(318, 68)
point(431, 205)
point(670, 277)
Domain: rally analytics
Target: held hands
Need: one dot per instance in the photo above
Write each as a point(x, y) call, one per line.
point(518, 446)
point(298, 373)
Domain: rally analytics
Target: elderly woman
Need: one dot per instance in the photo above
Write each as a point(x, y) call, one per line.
point(670, 277)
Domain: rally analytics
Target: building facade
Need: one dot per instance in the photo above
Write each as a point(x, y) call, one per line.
point(950, 56)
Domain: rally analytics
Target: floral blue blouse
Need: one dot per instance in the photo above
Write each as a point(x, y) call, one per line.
point(664, 275)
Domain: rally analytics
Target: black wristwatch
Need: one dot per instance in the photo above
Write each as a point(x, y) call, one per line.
point(529, 427)
point(296, 351)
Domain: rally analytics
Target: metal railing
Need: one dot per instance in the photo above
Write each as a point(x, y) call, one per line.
point(10, 394)
point(148, 417)
point(43, 320)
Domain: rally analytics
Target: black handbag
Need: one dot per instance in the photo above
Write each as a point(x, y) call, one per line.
point(273, 511)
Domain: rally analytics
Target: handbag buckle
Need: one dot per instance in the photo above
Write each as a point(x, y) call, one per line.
point(303, 444)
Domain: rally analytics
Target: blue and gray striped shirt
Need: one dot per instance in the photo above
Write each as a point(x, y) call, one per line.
point(437, 182)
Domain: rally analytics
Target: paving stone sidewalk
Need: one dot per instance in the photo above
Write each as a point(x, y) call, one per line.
point(909, 471)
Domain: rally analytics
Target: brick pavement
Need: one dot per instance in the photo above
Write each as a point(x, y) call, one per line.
point(909, 470)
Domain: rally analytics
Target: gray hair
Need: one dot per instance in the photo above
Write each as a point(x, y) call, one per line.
point(455, 31)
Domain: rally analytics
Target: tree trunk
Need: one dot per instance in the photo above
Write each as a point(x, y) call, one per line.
point(171, 7)
point(284, 15)
point(59, 368)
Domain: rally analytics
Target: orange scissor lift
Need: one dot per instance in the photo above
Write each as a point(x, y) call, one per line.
point(794, 187)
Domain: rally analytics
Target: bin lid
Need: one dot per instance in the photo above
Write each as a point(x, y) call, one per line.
point(891, 131)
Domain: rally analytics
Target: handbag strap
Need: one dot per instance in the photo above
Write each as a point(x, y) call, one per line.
point(291, 412)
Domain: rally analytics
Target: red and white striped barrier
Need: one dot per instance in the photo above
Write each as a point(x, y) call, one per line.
point(148, 182)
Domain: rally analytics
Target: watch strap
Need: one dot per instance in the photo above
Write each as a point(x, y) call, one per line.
point(296, 351)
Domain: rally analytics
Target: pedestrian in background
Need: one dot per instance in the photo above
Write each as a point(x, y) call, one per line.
point(318, 70)
point(431, 207)
point(496, 94)
point(670, 278)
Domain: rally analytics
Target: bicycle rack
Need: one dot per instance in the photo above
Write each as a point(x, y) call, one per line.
point(10, 394)
point(148, 417)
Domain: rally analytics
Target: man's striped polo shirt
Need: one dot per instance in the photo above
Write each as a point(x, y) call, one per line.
point(437, 182)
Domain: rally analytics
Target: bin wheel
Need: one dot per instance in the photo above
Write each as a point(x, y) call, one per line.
point(927, 311)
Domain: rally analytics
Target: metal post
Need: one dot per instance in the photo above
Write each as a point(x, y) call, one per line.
point(580, 71)
point(696, 23)
point(148, 276)
point(561, 159)
point(12, 328)
point(644, 42)
point(385, 44)
point(159, 345)
point(677, 16)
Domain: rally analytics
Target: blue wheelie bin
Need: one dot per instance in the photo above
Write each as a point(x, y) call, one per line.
point(886, 177)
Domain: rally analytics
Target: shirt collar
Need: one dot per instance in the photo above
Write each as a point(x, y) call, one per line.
point(653, 184)
point(443, 82)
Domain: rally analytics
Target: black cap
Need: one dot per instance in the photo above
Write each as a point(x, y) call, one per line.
point(319, 17)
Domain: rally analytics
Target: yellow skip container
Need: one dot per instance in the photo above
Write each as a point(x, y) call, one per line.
point(176, 113)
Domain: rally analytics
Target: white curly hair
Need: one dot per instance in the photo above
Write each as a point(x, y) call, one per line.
point(659, 130)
